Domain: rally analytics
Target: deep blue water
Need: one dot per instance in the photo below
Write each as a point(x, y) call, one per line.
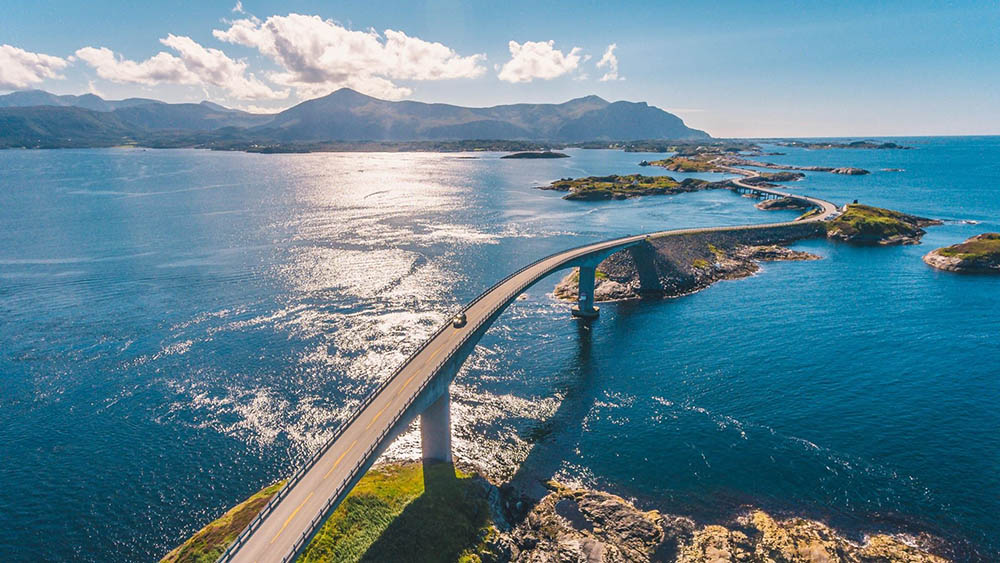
point(179, 328)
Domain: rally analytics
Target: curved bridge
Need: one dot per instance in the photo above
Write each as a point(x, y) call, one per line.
point(419, 387)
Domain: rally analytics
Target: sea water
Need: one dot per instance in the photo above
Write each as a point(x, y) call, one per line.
point(179, 328)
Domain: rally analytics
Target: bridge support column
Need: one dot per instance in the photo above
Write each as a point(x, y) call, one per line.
point(585, 305)
point(435, 430)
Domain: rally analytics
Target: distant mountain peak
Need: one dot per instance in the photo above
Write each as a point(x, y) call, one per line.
point(590, 99)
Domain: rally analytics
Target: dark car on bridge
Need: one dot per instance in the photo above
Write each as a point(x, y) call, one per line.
point(458, 321)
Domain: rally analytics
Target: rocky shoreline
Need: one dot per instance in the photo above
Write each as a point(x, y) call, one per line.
point(571, 524)
point(454, 513)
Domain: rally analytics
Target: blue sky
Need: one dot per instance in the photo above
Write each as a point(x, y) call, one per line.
point(731, 68)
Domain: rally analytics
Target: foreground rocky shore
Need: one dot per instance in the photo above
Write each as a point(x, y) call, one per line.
point(409, 511)
point(586, 525)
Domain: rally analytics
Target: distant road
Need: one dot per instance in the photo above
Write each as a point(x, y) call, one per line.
point(284, 526)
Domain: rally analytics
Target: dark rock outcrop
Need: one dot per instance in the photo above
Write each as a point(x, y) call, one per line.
point(849, 171)
point(783, 203)
point(536, 154)
point(580, 525)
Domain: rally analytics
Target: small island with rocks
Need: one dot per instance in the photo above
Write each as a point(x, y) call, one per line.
point(536, 154)
point(977, 255)
point(593, 188)
point(867, 225)
point(715, 161)
point(851, 145)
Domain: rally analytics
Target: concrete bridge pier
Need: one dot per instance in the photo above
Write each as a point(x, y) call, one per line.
point(435, 430)
point(585, 304)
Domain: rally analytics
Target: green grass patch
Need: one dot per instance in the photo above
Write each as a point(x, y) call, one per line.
point(684, 164)
point(719, 254)
point(390, 516)
point(575, 276)
point(700, 263)
point(986, 245)
point(209, 542)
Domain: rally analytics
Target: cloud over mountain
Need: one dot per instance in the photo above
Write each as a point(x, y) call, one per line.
point(20, 68)
point(317, 55)
point(538, 59)
point(194, 64)
point(609, 61)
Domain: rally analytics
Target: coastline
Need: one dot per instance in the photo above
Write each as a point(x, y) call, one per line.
point(480, 521)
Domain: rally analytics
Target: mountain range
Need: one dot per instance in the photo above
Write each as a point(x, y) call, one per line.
point(39, 119)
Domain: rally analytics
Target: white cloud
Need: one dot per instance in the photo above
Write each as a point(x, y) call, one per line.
point(20, 69)
point(537, 59)
point(238, 8)
point(610, 61)
point(193, 65)
point(317, 55)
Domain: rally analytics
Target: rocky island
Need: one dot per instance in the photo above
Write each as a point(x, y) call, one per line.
point(977, 255)
point(850, 171)
point(850, 145)
point(686, 264)
point(867, 225)
point(536, 154)
point(713, 160)
point(621, 187)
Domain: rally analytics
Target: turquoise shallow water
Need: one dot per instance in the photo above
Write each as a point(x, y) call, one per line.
point(181, 327)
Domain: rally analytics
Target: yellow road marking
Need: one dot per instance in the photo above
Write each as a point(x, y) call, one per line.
point(407, 382)
point(336, 463)
point(378, 414)
point(296, 511)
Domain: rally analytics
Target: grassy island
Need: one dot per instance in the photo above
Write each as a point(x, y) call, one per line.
point(621, 187)
point(979, 254)
point(685, 164)
point(864, 224)
point(397, 512)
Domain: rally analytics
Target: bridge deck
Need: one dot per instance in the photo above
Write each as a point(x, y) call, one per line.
point(281, 529)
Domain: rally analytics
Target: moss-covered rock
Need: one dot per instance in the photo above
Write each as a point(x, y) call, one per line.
point(979, 254)
point(867, 225)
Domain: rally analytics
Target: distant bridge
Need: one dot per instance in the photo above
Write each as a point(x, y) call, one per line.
point(419, 387)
